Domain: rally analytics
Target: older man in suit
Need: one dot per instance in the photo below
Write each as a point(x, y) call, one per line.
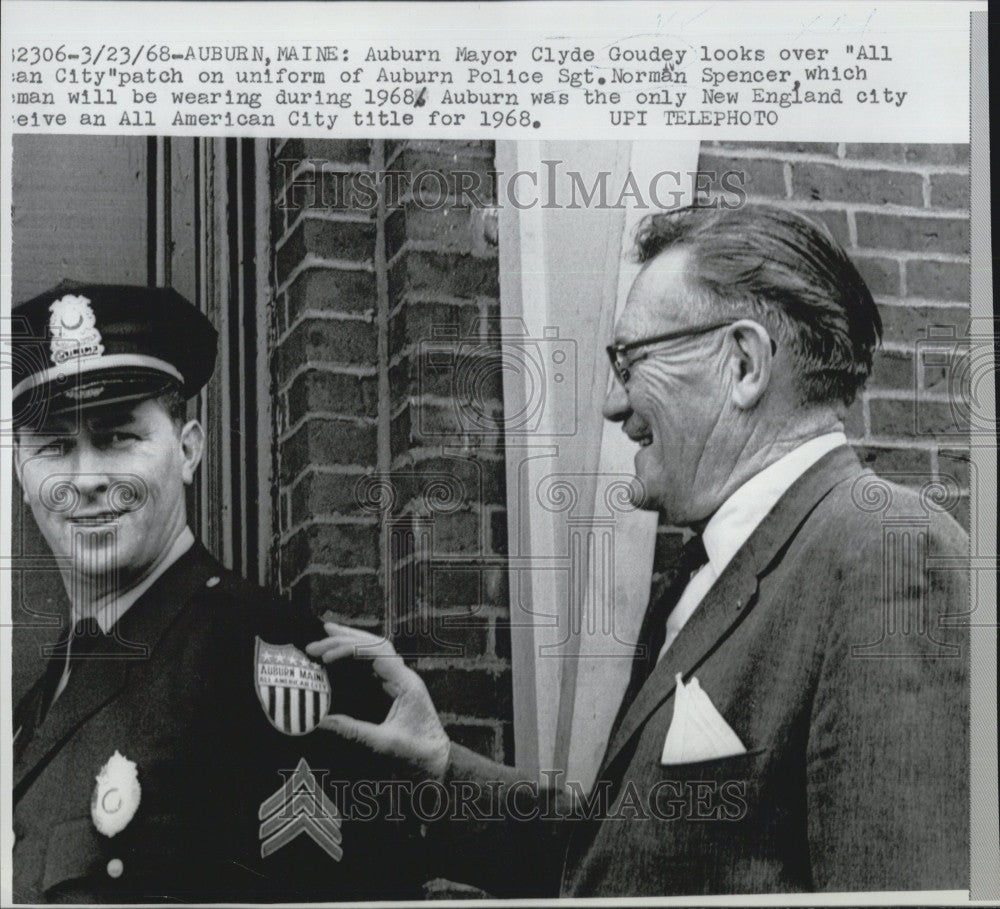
point(158, 756)
point(797, 713)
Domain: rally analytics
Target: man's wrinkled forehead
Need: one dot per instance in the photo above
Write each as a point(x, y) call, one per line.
point(660, 298)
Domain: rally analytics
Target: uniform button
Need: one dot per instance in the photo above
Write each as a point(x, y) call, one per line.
point(115, 867)
point(212, 581)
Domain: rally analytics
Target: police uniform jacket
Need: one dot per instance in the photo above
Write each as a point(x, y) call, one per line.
point(175, 691)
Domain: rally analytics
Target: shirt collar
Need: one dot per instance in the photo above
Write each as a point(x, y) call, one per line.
point(730, 527)
point(112, 611)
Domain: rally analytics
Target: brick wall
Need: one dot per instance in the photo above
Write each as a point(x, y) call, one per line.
point(902, 214)
point(391, 503)
point(392, 491)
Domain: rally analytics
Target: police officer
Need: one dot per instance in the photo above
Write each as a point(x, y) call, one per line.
point(167, 751)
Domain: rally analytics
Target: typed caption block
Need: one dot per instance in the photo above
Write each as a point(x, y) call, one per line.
point(856, 72)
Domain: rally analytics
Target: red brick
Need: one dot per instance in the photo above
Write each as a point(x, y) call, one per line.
point(957, 155)
point(350, 597)
point(327, 494)
point(881, 275)
point(352, 151)
point(911, 323)
point(485, 693)
point(833, 183)
point(875, 151)
point(350, 240)
point(476, 480)
point(910, 466)
point(327, 442)
point(892, 370)
point(444, 326)
point(482, 739)
point(344, 545)
point(455, 145)
point(913, 234)
point(289, 257)
point(448, 229)
point(498, 532)
point(809, 148)
point(937, 154)
point(474, 383)
point(938, 280)
point(457, 534)
point(950, 191)
point(325, 186)
point(835, 222)
point(457, 422)
point(509, 755)
point(760, 176)
point(938, 375)
point(465, 178)
point(401, 433)
point(468, 586)
point(332, 393)
point(452, 637)
point(346, 342)
point(502, 641)
point(954, 463)
point(450, 274)
point(348, 191)
point(917, 419)
point(331, 290)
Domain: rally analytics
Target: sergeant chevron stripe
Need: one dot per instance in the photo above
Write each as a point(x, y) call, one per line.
point(300, 806)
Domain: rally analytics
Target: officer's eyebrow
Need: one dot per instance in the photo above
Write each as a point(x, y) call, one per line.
point(111, 418)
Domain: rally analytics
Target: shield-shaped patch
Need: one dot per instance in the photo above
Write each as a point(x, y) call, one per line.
point(293, 690)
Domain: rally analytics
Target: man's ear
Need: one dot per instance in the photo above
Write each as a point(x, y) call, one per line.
point(192, 448)
point(751, 359)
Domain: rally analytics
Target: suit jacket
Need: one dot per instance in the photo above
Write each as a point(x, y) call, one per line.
point(835, 650)
point(185, 709)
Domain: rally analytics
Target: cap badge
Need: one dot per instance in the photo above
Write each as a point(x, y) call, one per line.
point(74, 330)
point(293, 690)
point(116, 795)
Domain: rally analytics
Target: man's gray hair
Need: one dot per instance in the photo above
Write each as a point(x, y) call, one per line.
point(786, 271)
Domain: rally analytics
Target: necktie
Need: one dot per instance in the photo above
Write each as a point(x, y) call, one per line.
point(654, 625)
point(85, 636)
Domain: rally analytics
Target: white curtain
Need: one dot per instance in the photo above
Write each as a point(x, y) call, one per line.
point(580, 557)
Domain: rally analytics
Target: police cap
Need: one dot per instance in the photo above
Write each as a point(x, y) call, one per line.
point(84, 345)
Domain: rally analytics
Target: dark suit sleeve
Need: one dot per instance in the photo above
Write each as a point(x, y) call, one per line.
point(887, 763)
point(504, 831)
point(378, 851)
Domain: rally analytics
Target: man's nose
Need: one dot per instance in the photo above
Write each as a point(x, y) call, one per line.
point(616, 407)
point(90, 470)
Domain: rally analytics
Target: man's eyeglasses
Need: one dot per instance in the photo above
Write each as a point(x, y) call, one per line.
point(623, 364)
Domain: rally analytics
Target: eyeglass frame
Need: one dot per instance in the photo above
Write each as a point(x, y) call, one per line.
point(622, 371)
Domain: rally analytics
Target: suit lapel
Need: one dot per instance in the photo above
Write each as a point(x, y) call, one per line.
point(734, 594)
point(97, 680)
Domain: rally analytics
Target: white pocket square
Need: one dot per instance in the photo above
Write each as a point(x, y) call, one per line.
point(697, 731)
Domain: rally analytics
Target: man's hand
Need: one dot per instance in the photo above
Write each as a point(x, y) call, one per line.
point(412, 732)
